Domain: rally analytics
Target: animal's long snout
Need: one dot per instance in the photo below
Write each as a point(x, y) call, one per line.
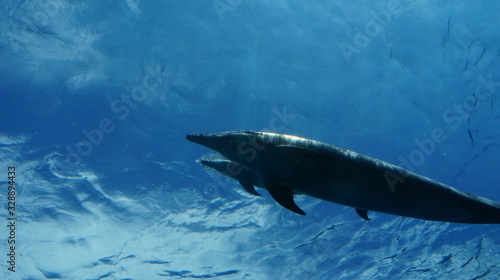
point(197, 138)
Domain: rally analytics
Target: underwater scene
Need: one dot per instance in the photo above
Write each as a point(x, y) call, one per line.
point(237, 139)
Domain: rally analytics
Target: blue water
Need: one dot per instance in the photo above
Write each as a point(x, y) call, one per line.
point(96, 98)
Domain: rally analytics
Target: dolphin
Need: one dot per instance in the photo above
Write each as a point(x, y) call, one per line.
point(287, 165)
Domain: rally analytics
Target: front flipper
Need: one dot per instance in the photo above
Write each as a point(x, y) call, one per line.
point(284, 196)
point(248, 186)
point(363, 213)
point(231, 169)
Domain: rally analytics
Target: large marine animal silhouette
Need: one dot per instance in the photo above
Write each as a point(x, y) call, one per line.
point(285, 165)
